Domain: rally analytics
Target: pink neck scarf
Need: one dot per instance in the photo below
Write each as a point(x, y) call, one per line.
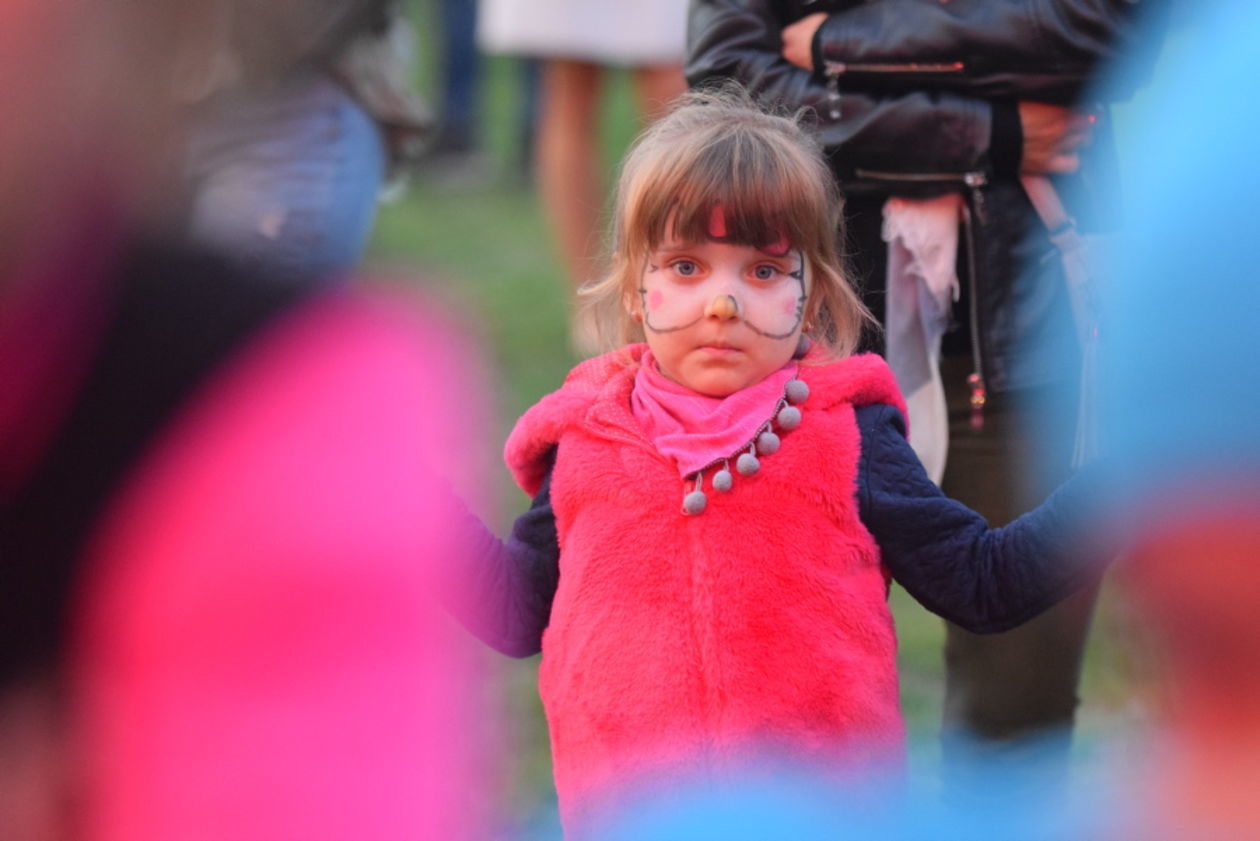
point(696, 430)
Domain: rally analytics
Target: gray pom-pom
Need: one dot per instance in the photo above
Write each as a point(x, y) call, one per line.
point(722, 480)
point(767, 443)
point(796, 391)
point(789, 417)
point(747, 464)
point(694, 503)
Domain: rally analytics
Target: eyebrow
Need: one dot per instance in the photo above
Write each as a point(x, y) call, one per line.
point(670, 245)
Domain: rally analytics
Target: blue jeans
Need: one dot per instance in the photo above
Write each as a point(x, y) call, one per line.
point(460, 67)
point(285, 179)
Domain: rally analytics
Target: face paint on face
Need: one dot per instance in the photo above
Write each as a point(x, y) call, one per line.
point(680, 287)
point(719, 316)
point(767, 291)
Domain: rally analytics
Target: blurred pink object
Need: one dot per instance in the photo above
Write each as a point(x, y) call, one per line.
point(1197, 580)
point(259, 654)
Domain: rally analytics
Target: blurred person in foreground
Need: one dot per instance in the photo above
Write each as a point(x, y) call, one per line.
point(219, 496)
point(934, 116)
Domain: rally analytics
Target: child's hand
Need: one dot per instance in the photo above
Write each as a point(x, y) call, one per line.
point(1053, 135)
point(798, 40)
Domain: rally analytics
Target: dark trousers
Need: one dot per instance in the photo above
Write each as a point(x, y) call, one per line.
point(1013, 687)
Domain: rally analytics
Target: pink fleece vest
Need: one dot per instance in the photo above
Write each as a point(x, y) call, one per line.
point(683, 645)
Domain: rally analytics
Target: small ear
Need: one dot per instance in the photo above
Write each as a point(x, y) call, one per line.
point(632, 304)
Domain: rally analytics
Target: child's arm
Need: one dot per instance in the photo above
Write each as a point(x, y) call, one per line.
point(946, 556)
point(502, 590)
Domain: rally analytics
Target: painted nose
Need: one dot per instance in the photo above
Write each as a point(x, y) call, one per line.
point(723, 307)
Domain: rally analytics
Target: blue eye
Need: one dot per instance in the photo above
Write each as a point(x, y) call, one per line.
point(764, 272)
point(686, 268)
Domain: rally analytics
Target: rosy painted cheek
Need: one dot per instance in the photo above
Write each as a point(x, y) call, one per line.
point(655, 299)
point(789, 306)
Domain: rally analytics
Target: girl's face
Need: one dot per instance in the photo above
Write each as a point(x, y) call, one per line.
point(720, 317)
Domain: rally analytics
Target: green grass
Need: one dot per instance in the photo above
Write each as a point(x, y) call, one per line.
point(487, 250)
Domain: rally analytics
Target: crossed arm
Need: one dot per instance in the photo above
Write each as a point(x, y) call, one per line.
point(945, 75)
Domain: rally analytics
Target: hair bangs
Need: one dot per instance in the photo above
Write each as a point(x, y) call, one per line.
point(746, 189)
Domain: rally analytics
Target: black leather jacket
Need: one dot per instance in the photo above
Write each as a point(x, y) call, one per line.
point(917, 97)
point(910, 87)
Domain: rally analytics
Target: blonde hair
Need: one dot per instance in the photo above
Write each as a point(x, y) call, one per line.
point(717, 147)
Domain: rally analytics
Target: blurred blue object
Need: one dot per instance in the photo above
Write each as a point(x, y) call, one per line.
point(1181, 396)
point(790, 804)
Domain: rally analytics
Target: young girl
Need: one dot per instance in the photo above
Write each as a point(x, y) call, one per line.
point(732, 496)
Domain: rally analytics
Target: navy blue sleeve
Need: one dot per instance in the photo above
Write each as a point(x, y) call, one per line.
point(946, 556)
point(504, 590)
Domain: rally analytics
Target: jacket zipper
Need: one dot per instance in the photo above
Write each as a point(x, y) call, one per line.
point(833, 70)
point(973, 180)
point(977, 389)
point(837, 68)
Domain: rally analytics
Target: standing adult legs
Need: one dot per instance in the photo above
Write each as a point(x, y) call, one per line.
point(656, 86)
point(568, 161)
point(1011, 696)
point(570, 178)
point(569, 183)
point(457, 124)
